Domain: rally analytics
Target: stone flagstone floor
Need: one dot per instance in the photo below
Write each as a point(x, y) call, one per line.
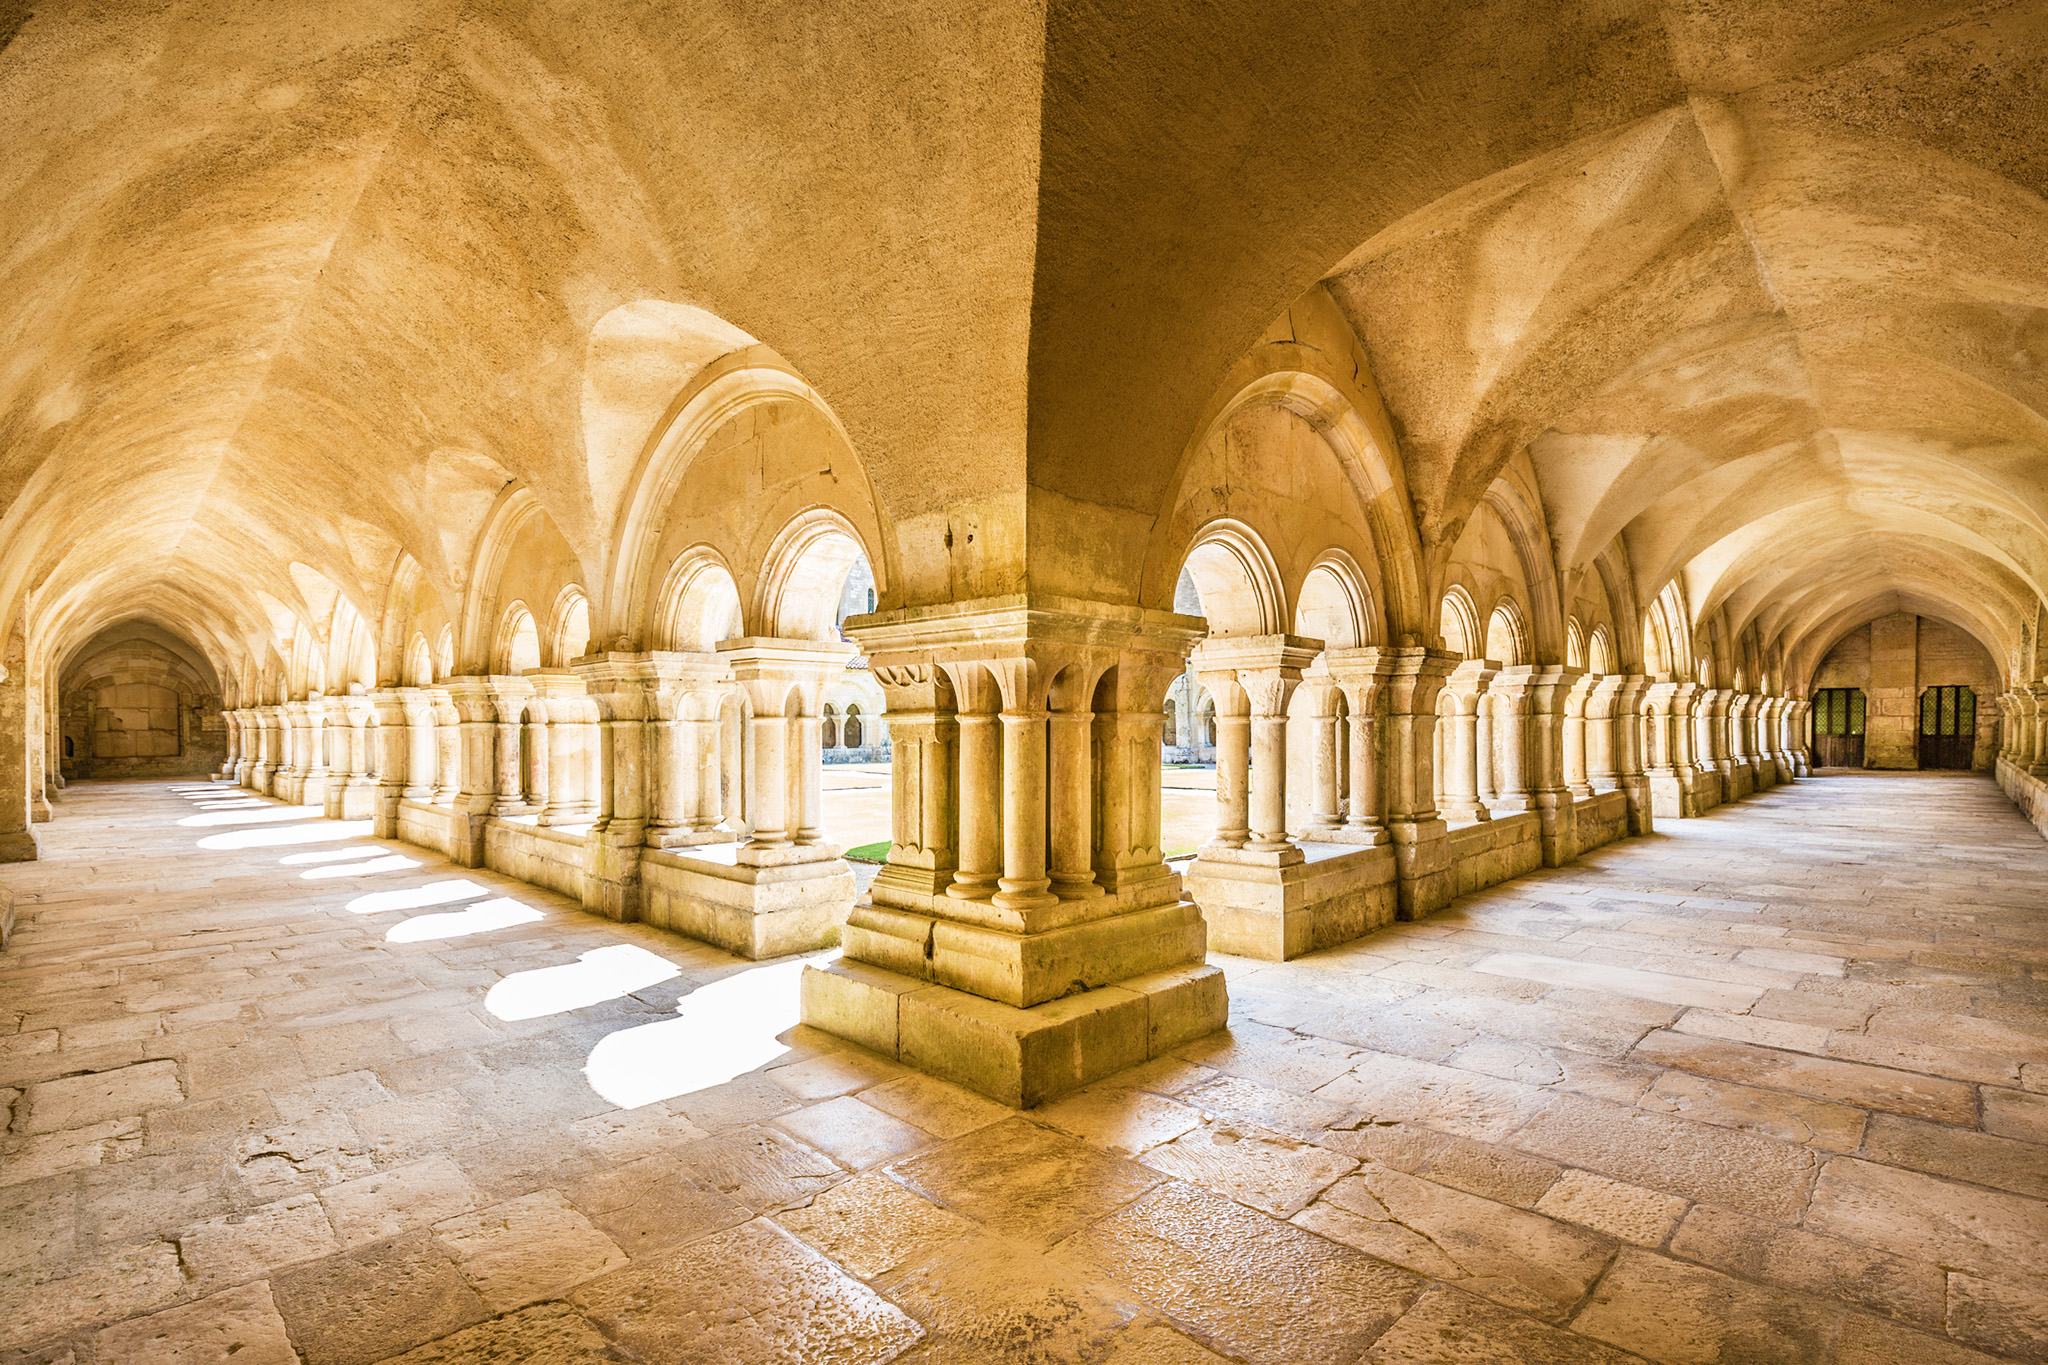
point(1766, 1087)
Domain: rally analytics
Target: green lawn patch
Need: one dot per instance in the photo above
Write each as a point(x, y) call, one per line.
point(870, 853)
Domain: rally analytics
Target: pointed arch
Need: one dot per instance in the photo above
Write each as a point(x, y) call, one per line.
point(1458, 622)
point(1239, 583)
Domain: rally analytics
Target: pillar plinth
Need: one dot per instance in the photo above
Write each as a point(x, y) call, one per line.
point(1024, 969)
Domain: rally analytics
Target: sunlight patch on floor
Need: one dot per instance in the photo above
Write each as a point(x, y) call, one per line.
point(498, 913)
point(269, 815)
point(390, 862)
point(416, 897)
point(723, 1030)
point(316, 832)
point(596, 976)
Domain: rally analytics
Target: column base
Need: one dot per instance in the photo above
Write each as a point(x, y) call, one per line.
point(1023, 970)
point(1427, 881)
point(6, 918)
point(1018, 1057)
point(1674, 798)
point(19, 847)
point(757, 912)
point(1276, 912)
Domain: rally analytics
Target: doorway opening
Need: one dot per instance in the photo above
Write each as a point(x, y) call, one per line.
point(1948, 727)
point(1838, 727)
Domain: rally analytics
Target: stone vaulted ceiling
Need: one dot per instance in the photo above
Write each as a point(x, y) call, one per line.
point(1759, 288)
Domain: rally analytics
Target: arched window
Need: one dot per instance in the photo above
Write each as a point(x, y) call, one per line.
point(570, 634)
point(1170, 731)
point(518, 642)
point(1205, 724)
point(1460, 623)
point(1507, 634)
point(1599, 654)
point(419, 663)
point(444, 654)
point(852, 729)
point(831, 726)
point(1574, 643)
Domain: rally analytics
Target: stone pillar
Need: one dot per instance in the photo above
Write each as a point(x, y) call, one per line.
point(1360, 676)
point(475, 701)
point(1544, 692)
point(1326, 766)
point(1020, 993)
point(1070, 756)
point(1426, 882)
point(231, 760)
point(1251, 679)
point(923, 823)
point(509, 697)
point(264, 777)
point(1709, 741)
point(620, 685)
point(447, 745)
point(684, 752)
point(1672, 776)
point(251, 730)
point(312, 762)
point(785, 682)
point(2036, 703)
point(17, 821)
point(351, 785)
point(1463, 693)
point(1802, 742)
point(1513, 738)
point(565, 746)
point(391, 740)
point(1630, 730)
point(1581, 739)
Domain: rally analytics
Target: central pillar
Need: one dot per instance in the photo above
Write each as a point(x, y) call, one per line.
point(1020, 976)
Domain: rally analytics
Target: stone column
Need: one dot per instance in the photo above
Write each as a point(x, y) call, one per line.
point(475, 703)
point(313, 753)
point(1258, 674)
point(978, 818)
point(351, 789)
point(683, 783)
point(569, 742)
point(1360, 675)
point(251, 730)
point(1463, 692)
point(447, 745)
point(391, 740)
point(785, 682)
point(17, 821)
point(1582, 736)
point(620, 684)
point(1668, 765)
point(264, 776)
point(1422, 856)
point(1630, 732)
point(509, 696)
point(1796, 734)
point(1709, 754)
point(2036, 701)
point(1070, 755)
point(1514, 739)
point(923, 824)
point(1544, 693)
point(423, 743)
point(231, 760)
point(1022, 994)
point(1326, 767)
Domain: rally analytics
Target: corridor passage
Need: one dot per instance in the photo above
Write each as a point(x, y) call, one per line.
point(1765, 1086)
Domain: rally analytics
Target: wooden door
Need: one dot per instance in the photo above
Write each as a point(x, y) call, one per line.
point(1948, 727)
point(1838, 727)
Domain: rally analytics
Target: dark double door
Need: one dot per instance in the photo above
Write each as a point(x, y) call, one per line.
point(1838, 727)
point(1948, 727)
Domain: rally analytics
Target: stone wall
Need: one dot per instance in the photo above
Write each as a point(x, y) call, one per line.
point(1892, 660)
point(137, 709)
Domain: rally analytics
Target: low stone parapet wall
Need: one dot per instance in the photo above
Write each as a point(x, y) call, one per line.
point(2027, 791)
point(1490, 852)
point(1601, 819)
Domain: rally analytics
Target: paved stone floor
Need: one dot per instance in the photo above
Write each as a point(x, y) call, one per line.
point(1766, 1087)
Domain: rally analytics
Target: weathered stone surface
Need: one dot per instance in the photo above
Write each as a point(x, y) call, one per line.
point(755, 1294)
point(1736, 1170)
point(1614, 1207)
point(44, 1300)
point(1025, 1181)
point(1474, 1106)
point(940, 1108)
point(241, 1325)
point(871, 1224)
point(1794, 1259)
point(234, 1247)
point(1958, 1226)
point(545, 1334)
point(1122, 1120)
point(1448, 1328)
point(77, 1101)
point(2006, 1163)
point(1789, 1118)
point(1873, 1341)
point(1267, 1170)
point(760, 1167)
point(1686, 1315)
point(1298, 1298)
point(653, 1204)
point(2002, 1315)
point(987, 1298)
point(1867, 1087)
point(854, 1134)
point(381, 1205)
point(375, 1301)
point(525, 1250)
